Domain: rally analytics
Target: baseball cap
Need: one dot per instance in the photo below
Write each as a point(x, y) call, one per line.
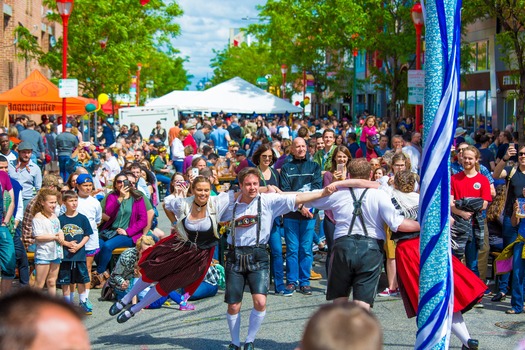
point(83, 178)
point(25, 146)
point(240, 152)
point(69, 126)
point(189, 126)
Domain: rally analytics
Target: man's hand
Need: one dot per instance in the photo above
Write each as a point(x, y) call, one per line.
point(306, 212)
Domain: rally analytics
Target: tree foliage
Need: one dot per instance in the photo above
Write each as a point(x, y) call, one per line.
point(107, 40)
point(510, 16)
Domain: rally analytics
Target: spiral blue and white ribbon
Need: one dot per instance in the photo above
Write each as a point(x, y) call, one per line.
point(443, 29)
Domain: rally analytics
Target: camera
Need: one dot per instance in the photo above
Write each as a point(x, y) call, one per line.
point(126, 183)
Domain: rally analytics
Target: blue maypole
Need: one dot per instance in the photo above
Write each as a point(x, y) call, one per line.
point(443, 26)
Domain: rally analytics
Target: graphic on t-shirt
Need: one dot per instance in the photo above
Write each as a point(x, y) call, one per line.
point(72, 230)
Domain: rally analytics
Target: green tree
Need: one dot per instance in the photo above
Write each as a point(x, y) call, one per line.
point(510, 16)
point(27, 47)
point(107, 40)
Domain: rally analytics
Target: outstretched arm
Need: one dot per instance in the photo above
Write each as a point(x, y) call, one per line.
point(304, 197)
point(355, 183)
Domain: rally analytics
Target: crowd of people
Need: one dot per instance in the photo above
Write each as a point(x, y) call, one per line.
point(311, 185)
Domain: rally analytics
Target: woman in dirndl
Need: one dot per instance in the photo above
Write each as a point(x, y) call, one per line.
point(468, 288)
point(182, 259)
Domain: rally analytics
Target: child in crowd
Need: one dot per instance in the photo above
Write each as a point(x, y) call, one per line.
point(48, 239)
point(369, 129)
point(73, 270)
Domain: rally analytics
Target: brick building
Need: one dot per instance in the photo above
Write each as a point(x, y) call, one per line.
point(30, 14)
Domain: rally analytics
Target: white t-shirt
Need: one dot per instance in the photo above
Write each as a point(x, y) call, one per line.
point(272, 206)
point(47, 226)
point(90, 207)
point(284, 131)
point(377, 210)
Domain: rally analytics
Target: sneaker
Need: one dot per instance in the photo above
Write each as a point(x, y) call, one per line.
point(306, 290)
point(88, 303)
point(479, 305)
point(85, 307)
point(186, 307)
point(289, 290)
point(314, 275)
point(389, 293)
point(248, 346)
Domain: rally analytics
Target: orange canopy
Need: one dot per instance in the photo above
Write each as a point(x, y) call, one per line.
point(37, 95)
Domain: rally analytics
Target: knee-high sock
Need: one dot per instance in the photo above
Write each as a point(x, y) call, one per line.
point(256, 319)
point(138, 287)
point(459, 328)
point(149, 298)
point(234, 323)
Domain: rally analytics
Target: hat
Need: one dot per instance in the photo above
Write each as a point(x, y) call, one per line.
point(69, 126)
point(374, 140)
point(158, 122)
point(25, 146)
point(83, 178)
point(459, 131)
point(189, 126)
point(162, 149)
point(240, 152)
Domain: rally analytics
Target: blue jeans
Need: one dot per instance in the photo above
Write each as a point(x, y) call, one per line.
point(7, 254)
point(205, 290)
point(518, 273)
point(276, 249)
point(106, 250)
point(510, 233)
point(299, 236)
point(178, 165)
point(21, 258)
point(62, 161)
point(471, 256)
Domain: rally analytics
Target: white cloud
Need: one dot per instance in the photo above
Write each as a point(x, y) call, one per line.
point(205, 26)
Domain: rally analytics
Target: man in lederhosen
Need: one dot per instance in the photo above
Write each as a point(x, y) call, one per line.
point(247, 261)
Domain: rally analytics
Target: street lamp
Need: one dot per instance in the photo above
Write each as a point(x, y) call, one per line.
point(417, 18)
point(284, 70)
point(139, 67)
point(64, 9)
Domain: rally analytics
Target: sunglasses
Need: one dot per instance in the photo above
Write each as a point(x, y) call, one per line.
point(120, 181)
point(521, 154)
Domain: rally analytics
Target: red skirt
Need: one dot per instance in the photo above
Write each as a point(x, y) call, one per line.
point(175, 265)
point(468, 288)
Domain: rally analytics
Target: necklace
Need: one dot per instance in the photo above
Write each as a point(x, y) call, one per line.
point(199, 207)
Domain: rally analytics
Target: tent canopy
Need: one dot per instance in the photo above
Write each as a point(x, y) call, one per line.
point(37, 95)
point(234, 96)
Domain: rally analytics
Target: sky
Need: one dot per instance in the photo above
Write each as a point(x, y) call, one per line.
point(205, 26)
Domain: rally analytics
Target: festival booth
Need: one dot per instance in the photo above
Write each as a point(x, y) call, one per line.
point(233, 96)
point(37, 95)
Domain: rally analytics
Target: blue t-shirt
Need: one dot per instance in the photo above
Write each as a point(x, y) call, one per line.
point(75, 229)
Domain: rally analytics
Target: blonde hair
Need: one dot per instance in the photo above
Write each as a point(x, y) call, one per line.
point(496, 206)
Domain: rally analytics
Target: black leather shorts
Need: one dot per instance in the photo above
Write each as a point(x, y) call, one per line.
point(246, 265)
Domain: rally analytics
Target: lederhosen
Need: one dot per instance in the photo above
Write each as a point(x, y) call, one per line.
point(246, 260)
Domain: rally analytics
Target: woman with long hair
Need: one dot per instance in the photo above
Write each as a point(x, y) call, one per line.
point(82, 158)
point(182, 259)
point(341, 158)
point(468, 288)
point(125, 215)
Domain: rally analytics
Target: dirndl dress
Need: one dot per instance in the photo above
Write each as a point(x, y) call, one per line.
point(174, 263)
point(468, 288)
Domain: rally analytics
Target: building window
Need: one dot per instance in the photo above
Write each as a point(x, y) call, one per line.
point(479, 56)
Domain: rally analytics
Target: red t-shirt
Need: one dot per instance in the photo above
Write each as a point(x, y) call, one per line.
point(370, 154)
point(476, 186)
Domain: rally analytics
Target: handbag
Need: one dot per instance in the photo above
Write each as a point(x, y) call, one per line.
point(107, 293)
point(107, 234)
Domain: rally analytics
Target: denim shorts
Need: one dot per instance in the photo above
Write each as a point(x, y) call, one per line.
point(47, 262)
point(246, 266)
point(355, 264)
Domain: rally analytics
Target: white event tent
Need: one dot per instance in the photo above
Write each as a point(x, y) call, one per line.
point(233, 96)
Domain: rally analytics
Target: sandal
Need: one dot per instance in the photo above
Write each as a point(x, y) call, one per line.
point(186, 307)
point(512, 312)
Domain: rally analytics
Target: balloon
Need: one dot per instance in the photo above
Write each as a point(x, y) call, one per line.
point(306, 101)
point(307, 98)
point(103, 98)
point(297, 103)
point(302, 104)
point(86, 117)
point(330, 113)
point(90, 107)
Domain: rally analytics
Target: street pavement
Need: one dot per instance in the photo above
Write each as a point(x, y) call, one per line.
point(206, 329)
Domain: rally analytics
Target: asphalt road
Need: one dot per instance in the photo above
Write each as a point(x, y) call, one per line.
point(206, 327)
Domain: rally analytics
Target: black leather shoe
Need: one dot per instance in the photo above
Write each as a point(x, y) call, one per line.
point(499, 297)
point(248, 346)
point(473, 344)
point(114, 309)
point(125, 316)
point(233, 347)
